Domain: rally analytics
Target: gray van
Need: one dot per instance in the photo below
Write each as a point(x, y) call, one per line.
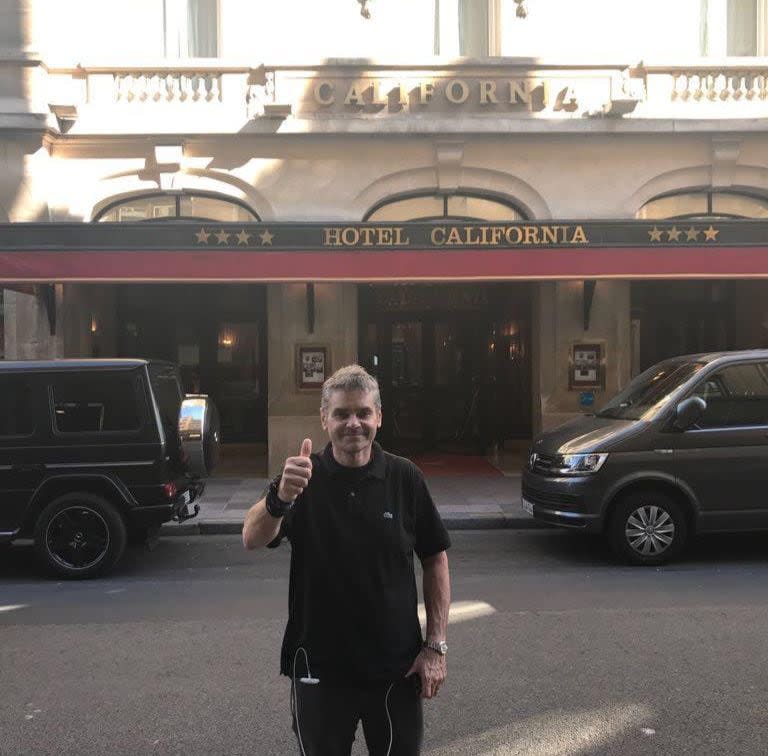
point(682, 450)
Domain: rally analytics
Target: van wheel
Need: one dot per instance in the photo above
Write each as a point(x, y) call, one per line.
point(79, 535)
point(648, 528)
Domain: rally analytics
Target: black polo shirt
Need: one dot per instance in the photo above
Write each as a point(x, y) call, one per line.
point(352, 597)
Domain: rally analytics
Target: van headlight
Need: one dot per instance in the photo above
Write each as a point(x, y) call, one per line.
point(580, 464)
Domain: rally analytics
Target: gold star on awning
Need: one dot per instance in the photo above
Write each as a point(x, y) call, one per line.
point(202, 236)
point(710, 234)
point(243, 237)
point(222, 236)
point(691, 234)
point(673, 234)
point(655, 234)
point(266, 237)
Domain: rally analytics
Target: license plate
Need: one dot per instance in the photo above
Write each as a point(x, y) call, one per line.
point(527, 506)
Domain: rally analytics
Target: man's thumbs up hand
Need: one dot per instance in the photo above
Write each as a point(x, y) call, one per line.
point(296, 473)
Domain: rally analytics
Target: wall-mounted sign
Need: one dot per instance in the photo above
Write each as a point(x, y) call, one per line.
point(586, 370)
point(521, 93)
point(312, 366)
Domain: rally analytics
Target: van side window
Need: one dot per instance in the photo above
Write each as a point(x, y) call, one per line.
point(17, 417)
point(96, 402)
point(736, 396)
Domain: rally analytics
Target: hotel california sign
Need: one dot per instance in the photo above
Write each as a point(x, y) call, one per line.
point(524, 93)
point(350, 88)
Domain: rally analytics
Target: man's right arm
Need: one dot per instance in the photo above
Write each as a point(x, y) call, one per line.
point(260, 528)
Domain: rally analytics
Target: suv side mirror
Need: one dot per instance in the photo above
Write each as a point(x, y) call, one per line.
point(689, 411)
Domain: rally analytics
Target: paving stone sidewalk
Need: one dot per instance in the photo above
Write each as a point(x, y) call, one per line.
point(465, 502)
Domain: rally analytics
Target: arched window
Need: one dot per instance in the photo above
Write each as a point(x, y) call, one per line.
point(439, 207)
point(704, 204)
point(177, 206)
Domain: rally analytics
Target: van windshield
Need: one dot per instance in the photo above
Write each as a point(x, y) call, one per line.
point(650, 392)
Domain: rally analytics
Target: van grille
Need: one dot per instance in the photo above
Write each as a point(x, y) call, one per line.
point(543, 464)
point(553, 499)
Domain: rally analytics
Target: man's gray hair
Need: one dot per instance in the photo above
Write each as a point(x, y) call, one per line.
point(350, 378)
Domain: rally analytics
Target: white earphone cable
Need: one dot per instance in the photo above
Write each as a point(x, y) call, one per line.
point(389, 718)
point(296, 695)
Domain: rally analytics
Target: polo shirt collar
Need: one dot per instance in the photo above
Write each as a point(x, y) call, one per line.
point(376, 470)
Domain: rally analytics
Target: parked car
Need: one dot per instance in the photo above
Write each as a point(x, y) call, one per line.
point(95, 452)
point(682, 450)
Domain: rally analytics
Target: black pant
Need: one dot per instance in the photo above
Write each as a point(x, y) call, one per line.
point(325, 717)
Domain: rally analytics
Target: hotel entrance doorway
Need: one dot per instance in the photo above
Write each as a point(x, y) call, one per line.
point(217, 335)
point(453, 363)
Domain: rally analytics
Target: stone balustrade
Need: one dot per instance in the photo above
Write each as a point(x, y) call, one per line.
point(720, 84)
point(368, 94)
point(168, 86)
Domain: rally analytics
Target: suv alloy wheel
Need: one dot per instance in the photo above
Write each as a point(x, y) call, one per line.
point(79, 535)
point(648, 528)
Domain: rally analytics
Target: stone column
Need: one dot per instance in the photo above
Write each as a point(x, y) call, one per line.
point(294, 413)
point(558, 324)
point(23, 161)
point(27, 326)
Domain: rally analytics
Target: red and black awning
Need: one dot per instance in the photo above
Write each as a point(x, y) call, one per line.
point(176, 251)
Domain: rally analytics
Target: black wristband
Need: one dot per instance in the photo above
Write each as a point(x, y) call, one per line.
point(275, 505)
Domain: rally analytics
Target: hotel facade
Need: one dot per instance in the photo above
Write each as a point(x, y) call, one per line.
point(503, 209)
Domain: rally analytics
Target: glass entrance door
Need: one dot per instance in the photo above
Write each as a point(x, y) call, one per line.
point(453, 365)
point(406, 394)
point(458, 378)
point(430, 373)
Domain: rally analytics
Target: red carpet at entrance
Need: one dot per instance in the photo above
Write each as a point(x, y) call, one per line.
point(452, 465)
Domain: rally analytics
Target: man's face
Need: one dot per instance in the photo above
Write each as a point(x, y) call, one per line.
point(351, 420)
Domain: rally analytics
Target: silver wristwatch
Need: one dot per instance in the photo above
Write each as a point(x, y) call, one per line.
point(439, 647)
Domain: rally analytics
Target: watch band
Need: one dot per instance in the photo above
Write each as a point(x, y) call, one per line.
point(275, 505)
point(439, 647)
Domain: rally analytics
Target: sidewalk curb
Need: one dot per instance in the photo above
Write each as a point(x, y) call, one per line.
point(452, 523)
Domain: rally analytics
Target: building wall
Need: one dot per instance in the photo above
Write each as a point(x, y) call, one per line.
point(559, 324)
point(545, 175)
point(69, 145)
point(294, 413)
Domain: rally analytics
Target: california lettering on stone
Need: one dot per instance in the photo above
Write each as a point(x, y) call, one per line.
point(517, 235)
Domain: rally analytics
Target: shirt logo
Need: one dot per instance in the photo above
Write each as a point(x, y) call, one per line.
point(388, 515)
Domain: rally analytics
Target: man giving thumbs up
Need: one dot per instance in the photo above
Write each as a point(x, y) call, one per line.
point(354, 515)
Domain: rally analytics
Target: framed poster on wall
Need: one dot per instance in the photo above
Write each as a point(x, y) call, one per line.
point(586, 369)
point(313, 367)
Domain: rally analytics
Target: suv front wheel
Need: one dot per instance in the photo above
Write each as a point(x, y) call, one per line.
point(648, 528)
point(80, 535)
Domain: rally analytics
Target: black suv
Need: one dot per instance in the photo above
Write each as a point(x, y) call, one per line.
point(683, 449)
point(94, 452)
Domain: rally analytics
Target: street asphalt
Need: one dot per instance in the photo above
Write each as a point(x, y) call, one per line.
point(554, 649)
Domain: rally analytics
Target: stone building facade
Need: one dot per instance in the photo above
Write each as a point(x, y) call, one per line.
point(214, 131)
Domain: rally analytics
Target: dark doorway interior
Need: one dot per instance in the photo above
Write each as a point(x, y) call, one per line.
point(453, 362)
point(686, 317)
point(216, 333)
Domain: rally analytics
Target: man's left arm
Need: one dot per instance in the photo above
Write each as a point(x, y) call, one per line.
point(430, 665)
